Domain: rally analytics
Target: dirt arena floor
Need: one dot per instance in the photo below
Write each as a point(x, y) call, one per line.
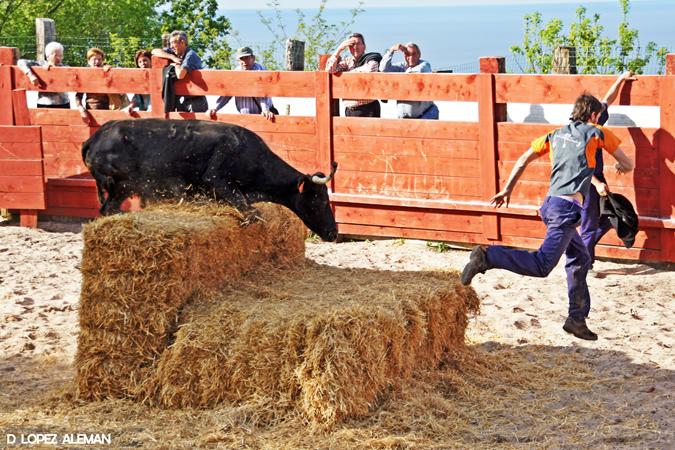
point(522, 383)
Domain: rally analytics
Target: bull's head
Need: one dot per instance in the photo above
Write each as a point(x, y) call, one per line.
point(313, 207)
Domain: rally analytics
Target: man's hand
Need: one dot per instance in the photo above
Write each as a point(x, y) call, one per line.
point(212, 113)
point(602, 189)
point(34, 80)
point(628, 75)
point(396, 47)
point(501, 198)
point(269, 115)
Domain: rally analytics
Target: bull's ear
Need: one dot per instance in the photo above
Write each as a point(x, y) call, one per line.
point(301, 183)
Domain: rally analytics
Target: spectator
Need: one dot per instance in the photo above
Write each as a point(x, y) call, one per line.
point(185, 60)
point(359, 61)
point(54, 55)
point(411, 64)
point(85, 101)
point(593, 225)
point(248, 105)
point(143, 60)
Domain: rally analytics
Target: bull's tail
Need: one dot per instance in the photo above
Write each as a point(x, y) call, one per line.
point(85, 150)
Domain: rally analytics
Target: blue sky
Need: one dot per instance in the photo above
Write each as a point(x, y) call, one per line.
point(262, 4)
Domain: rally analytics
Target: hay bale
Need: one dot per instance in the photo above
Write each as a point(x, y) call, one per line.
point(328, 342)
point(139, 271)
point(186, 308)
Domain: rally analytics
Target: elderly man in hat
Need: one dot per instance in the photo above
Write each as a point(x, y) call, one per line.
point(247, 105)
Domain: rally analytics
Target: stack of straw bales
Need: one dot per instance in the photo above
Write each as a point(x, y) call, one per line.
point(164, 320)
point(140, 270)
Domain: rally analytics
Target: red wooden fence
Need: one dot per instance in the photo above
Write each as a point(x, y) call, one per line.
point(398, 178)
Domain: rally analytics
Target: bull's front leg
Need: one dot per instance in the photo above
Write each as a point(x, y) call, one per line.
point(230, 193)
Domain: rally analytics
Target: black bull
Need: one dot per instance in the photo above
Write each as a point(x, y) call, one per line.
point(157, 158)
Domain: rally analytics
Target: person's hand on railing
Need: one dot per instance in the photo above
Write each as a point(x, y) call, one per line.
point(212, 113)
point(84, 114)
point(269, 115)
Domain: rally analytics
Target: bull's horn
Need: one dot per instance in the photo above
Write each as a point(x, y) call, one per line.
point(324, 180)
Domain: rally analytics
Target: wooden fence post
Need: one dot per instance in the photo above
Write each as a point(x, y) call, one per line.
point(295, 55)
point(156, 82)
point(8, 57)
point(489, 113)
point(45, 32)
point(564, 60)
point(324, 120)
point(666, 153)
point(28, 217)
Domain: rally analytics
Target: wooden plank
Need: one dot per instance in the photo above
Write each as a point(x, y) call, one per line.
point(412, 86)
point(20, 107)
point(666, 152)
point(25, 134)
point(6, 86)
point(416, 186)
point(14, 150)
point(409, 233)
point(258, 124)
point(487, 144)
point(86, 79)
point(421, 148)
point(437, 204)
point(54, 116)
point(22, 200)
point(290, 141)
point(407, 218)
point(28, 218)
point(21, 183)
point(21, 166)
point(57, 167)
point(324, 122)
point(519, 88)
point(72, 198)
point(410, 129)
point(74, 133)
point(403, 164)
point(70, 150)
point(249, 83)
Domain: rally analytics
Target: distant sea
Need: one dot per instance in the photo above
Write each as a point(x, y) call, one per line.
point(454, 37)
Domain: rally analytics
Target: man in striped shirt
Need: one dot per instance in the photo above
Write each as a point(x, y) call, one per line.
point(247, 105)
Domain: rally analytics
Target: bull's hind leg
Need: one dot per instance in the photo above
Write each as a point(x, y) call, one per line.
point(117, 193)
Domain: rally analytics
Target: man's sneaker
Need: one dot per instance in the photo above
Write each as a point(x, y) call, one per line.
point(578, 328)
point(477, 264)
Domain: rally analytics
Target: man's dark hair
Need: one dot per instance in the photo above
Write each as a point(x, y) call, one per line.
point(358, 35)
point(585, 105)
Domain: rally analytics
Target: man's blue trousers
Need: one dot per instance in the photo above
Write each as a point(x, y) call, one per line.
point(561, 218)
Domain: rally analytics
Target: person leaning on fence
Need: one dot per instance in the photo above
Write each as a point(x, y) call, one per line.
point(185, 60)
point(358, 61)
point(141, 102)
point(411, 64)
point(571, 150)
point(593, 225)
point(89, 100)
point(54, 58)
point(247, 105)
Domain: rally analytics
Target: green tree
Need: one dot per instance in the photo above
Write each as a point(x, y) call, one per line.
point(81, 24)
point(206, 29)
point(319, 35)
point(595, 52)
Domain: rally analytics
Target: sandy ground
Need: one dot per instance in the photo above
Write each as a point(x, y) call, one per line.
point(620, 391)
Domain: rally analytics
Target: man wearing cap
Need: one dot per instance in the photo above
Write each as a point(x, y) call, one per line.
point(185, 60)
point(247, 105)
